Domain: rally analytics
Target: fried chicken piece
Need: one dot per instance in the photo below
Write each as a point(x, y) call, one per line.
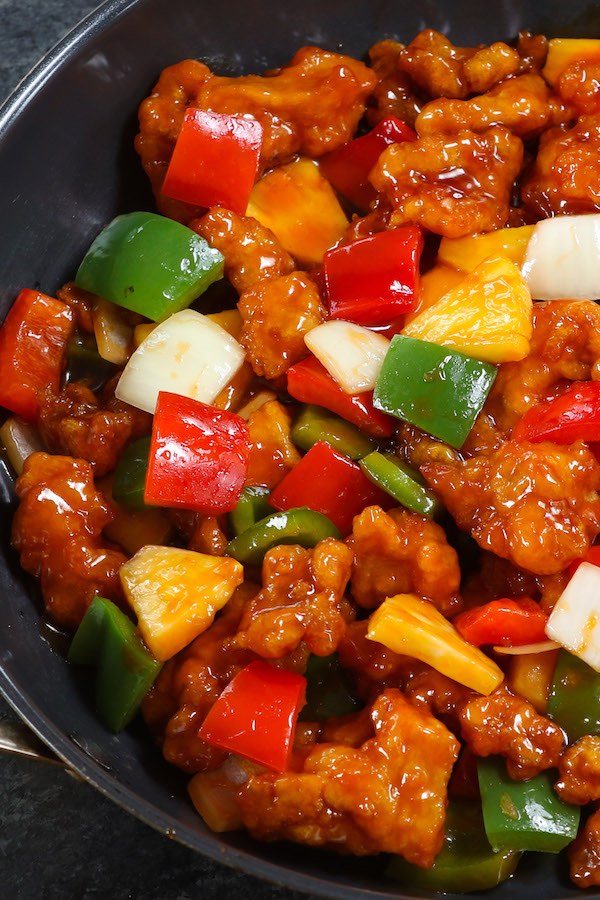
point(75, 423)
point(402, 553)
point(564, 347)
point(452, 185)
point(252, 252)
point(417, 447)
point(189, 684)
point(525, 105)
point(277, 314)
point(394, 93)
point(389, 795)
point(204, 534)
point(508, 725)
point(579, 86)
point(272, 454)
point(566, 175)
point(373, 665)
point(444, 697)
point(302, 600)
point(533, 49)
point(310, 107)
point(584, 854)
point(440, 69)
point(82, 304)
point(57, 529)
point(536, 505)
point(579, 770)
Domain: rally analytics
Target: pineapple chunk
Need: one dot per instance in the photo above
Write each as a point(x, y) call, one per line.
point(487, 316)
point(468, 252)
point(564, 51)
point(413, 627)
point(176, 593)
point(531, 675)
point(230, 321)
point(300, 207)
point(432, 287)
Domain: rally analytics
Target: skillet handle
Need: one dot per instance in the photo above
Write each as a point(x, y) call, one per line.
point(17, 739)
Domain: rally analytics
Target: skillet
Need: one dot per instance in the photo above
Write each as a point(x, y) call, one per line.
point(66, 167)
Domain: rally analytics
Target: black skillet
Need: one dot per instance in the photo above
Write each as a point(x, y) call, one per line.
point(66, 167)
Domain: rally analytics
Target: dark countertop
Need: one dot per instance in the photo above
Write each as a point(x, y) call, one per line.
point(58, 837)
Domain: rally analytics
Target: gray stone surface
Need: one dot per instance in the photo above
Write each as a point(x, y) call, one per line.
point(59, 839)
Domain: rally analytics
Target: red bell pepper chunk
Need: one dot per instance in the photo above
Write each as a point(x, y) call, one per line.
point(256, 715)
point(509, 623)
point(592, 556)
point(33, 341)
point(198, 456)
point(215, 160)
point(374, 280)
point(348, 167)
point(573, 415)
point(310, 382)
point(329, 483)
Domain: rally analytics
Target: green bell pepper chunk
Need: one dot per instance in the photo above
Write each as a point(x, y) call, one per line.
point(466, 861)
point(294, 526)
point(574, 700)
point(84, 363)
point(130, 474)
point(437, 389)
point(400, 482)
point(329, 690)
point(149, 264)
point(524, 815)
point(316, 424)
point(252, 506)
point(125, 669)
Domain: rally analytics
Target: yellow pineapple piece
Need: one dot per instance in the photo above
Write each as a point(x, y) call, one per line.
point(564, 51)
point(530, 676)
point(468, 252)
point(487, 316)
point(432, 287)
point(410, 626)
point(176, 593)
point(300, 207)
point(230, 321)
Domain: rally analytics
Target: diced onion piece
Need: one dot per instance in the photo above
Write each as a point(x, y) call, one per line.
point(353, 355)
point(188, 354)
point(214, 797)
point(255, 403)
point(20, 440)
point(113, 334)
point(176, 593)
point(574, 622)
point(413, 627)
point(563, 259)
point(540, 647)
point(487, 316)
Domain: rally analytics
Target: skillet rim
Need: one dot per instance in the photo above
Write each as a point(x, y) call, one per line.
point(73, 756)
